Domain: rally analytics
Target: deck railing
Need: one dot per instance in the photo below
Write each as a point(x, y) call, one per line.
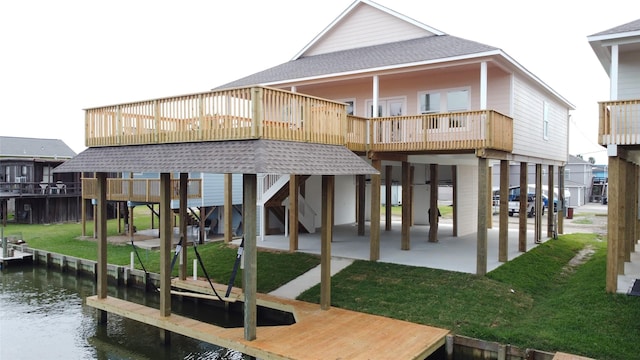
point(260, 112)
point(12, 189)
point(243, 113)
point(443, 131)
point(619, 122)
point(142, 190)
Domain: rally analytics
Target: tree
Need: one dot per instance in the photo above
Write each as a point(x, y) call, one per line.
point(592, 160)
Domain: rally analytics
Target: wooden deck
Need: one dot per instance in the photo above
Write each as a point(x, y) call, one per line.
point(565, 356)
point(317, 334)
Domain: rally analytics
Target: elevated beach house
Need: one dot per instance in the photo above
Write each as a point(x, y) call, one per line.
point(424, 108)
point(376, 97)
point(28, 187)
point(618, 50)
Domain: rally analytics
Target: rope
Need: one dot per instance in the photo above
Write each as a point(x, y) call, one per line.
point(195, 248)
point(146, 273)
point(235, 267)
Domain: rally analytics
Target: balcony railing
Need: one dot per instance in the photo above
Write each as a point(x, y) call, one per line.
point(443, 131)
point(244, 113)
point(619, 122)
point(142, 190)
point(259, 112)
point(12, 189)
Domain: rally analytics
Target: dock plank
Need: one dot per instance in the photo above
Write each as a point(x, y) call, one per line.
point(317, 334)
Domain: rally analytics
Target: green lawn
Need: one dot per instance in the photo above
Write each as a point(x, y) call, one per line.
point(530, 302)
point(533, 301)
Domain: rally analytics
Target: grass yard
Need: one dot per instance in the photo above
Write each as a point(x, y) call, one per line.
point(534, 301)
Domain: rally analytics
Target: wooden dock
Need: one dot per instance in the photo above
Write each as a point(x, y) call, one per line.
point(317, 334)
point(14, 256)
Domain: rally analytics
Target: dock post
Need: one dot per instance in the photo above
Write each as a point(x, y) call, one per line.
point(4, 243)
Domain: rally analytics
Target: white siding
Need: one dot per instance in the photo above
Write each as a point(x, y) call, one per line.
point(344, 199)
point(467, 196)
point(528, 139)
point(365, 26)
point(629, 76)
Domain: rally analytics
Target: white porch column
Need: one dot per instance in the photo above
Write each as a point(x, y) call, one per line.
point(614, 73)
point(483, 85)
point(376, 94)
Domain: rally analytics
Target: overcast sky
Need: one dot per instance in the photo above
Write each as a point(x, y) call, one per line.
point(59, 57)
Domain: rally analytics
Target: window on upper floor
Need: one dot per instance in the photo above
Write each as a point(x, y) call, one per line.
point(567, 174)
point(351, 105)
point(450, 100)
point(545, 120)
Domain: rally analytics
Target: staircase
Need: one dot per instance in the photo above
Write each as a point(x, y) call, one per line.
point(273, 194)
point(598, 189)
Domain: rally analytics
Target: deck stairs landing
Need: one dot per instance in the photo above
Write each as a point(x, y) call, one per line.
point(273, 194)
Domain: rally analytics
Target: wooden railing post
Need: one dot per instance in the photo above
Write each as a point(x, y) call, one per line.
point(156, 115)
point(257, 98)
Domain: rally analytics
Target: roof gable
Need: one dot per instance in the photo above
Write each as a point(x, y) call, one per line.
point(365, 23)
point(20, 147)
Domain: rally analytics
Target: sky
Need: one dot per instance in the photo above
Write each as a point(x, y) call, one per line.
point(60, 57)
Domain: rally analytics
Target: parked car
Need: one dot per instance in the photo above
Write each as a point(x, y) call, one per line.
point(514, 205)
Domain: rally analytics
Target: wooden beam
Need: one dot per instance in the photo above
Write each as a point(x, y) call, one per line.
point(405, 238)
point(361, 203)
point(538, 204)
point(166, 233)
point(249, 275)
point(522, 211)
point(630, 229)
point(101, 233)
point(561, 200)
point(550, 197)
point(328, 189)
point(614, 223)
point(503, 230)
point(374, 248)
point(294, 211)
point(387, 156)
point(228, 208)
point(388, 173)
point(481, 257)
point(622, 221)
point(412, 173)
point(433, 203)
point(184, 180)
point(454, 181)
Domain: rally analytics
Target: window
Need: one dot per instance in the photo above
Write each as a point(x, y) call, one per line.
point(567, 174)
point(452, 100)
point(350, 106)
point(429, 103)
point(545, 120)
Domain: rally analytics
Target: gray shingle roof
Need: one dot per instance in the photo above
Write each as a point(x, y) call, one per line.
point(391, 54)
point(34, 148)
point(630, 26)
point(236, 157)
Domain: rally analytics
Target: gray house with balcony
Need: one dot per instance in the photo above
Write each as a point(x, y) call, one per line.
point(29, 189)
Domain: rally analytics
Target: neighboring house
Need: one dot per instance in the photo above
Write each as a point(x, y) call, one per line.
point(618, 50)
point(28, 186)
point(578, 179)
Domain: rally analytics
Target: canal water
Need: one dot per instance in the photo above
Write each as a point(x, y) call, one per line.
point(43, 316)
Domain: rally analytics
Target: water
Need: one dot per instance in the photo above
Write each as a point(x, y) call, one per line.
point(42, 316)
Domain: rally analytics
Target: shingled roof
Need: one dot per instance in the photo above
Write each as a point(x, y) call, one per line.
point(628, 27)
point(22, 147)
point(408, 52)
point(234, 157)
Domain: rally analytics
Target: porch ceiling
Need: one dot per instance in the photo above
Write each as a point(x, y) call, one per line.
point(234, 157)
